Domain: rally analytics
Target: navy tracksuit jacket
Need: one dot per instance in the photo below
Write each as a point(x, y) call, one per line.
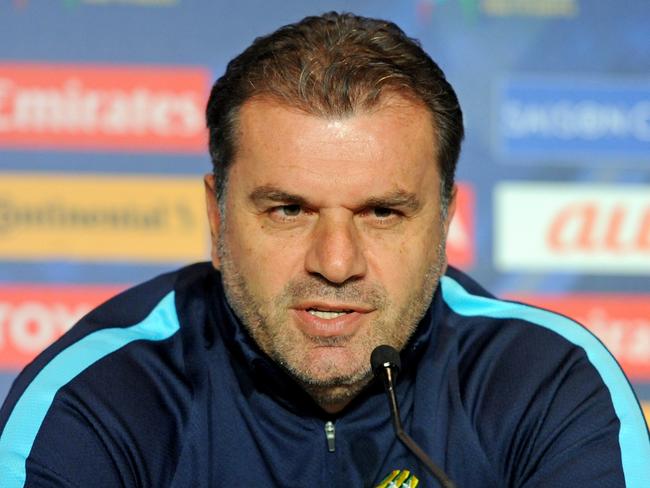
point(162, 387)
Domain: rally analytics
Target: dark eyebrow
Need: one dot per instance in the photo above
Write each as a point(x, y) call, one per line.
point(399, 199)
point(274, 194)
point(396, 199)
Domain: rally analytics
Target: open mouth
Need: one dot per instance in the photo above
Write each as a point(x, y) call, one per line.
point(327, 314)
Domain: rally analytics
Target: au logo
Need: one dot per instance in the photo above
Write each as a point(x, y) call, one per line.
point(399, 478)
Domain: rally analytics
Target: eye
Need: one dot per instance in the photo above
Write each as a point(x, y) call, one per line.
point(290, 210)
point(382, 217)
point(286, 212)
point(382, 212)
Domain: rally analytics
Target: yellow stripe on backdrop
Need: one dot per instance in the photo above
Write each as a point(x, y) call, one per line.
point(646, 412)
point(97, 217)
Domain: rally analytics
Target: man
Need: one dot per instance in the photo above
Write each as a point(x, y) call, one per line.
point(334, 142)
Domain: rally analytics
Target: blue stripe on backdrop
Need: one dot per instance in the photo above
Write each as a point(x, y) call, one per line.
point(29, 412)
point(633, 437)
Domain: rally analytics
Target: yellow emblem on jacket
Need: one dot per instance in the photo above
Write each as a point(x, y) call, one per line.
point(399, 478)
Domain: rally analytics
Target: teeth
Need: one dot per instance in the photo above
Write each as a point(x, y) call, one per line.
point(325, 315)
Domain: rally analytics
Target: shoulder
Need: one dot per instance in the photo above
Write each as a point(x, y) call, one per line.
point(116, 376)
point(539, 384)
point(479, 316)
point(499, 328)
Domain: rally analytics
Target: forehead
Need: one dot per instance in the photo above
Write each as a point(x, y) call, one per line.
point(387, 148)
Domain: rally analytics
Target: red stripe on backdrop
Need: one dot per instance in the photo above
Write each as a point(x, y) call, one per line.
point(461, 240)
point(33, 316)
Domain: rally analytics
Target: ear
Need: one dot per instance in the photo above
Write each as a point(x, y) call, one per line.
point(214, 216)
point(451, 210)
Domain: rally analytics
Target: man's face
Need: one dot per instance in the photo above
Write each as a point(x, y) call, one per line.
point(331, 238)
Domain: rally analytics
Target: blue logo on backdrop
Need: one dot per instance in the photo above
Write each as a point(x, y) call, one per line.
point(557, 118)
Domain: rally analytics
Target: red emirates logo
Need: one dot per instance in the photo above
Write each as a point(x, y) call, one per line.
point(103, 108)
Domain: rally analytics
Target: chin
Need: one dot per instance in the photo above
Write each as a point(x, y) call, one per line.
point(330, 366)
point(329, 374)
point(334, 398)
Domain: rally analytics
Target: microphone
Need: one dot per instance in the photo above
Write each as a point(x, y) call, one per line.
point(386, 363)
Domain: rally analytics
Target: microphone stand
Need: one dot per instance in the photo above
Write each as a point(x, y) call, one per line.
point(385, 368)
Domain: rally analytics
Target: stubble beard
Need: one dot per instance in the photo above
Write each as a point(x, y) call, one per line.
point(267, 322)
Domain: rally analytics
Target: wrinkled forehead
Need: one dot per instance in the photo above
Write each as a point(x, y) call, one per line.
point(399, 106)
point(387, 149)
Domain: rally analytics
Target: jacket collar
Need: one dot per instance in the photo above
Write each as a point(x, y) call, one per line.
point(274, 379)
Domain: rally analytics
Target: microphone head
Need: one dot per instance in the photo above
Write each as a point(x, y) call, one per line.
point(384, 357)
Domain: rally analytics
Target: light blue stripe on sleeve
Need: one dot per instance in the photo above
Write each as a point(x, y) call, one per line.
point(27, 416)
point(633, 437)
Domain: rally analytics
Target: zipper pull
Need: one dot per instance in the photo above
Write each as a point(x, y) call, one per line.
point(330, 435)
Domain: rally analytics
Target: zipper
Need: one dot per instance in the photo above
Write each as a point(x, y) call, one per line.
point(330, 433)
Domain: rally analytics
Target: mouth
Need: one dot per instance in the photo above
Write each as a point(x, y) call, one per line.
point(325, 310)
point(319, 319)
point(328, 314)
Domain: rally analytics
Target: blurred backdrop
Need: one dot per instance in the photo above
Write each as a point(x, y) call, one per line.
point(103, 146)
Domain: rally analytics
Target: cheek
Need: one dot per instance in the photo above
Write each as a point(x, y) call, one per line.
point(400, 264)
point(266, 263)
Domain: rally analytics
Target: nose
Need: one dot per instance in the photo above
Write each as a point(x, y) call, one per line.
point(336, 251)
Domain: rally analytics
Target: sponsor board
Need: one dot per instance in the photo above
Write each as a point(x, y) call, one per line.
point(621, 322)
point(146, 218)
point(94, 107)
point(34, 316)
point(532, 8)
point(548, 117)
point(427, 9)
point(138, 3)
point(501, 8)
point(599, 229)
point(460, 240)
point(74, 3)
